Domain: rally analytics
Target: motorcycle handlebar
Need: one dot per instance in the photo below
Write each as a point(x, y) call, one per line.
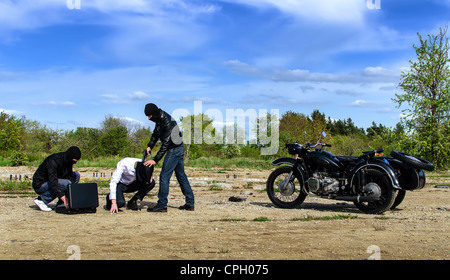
point(322, 144)
point(309, 145)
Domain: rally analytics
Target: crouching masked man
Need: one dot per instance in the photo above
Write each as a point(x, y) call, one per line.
point(131, 175)
point(53, 177)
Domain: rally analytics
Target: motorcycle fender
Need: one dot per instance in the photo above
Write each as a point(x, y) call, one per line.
point(300, 173)
point(383, 166)
point(284, 160)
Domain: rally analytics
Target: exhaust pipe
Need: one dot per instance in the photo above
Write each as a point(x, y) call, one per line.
point(358, 198)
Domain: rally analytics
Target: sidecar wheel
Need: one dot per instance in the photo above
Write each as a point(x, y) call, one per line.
point(399, 199)
point(414, 161)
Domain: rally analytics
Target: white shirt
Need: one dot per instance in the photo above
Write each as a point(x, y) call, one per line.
point(125, 173)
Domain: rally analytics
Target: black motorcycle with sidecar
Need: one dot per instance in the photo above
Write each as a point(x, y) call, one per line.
point(372, 182)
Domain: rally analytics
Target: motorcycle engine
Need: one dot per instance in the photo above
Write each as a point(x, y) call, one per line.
point(322, 185)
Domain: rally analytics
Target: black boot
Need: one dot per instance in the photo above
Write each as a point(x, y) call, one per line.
point(132, 204)
point(108, 203)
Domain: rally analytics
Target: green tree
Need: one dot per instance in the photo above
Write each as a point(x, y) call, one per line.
point(294, 128)
point(39, 140)
point(197, 132)
point(87, 139)
point(426, 89)
point(9, 132)
point(114, 139)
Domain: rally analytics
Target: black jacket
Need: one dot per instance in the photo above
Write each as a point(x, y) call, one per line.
point(166, 130)
point(54, 167)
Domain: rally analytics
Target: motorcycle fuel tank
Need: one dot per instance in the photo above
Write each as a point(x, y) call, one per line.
point(324, 159)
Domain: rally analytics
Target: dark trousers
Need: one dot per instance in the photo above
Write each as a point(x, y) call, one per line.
point(46, 192)
point(173, 161)
point(141, 188)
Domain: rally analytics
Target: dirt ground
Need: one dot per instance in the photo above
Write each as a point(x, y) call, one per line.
point(219, 229)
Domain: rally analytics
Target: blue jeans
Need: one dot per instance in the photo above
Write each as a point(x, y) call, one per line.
point(174, 161)
point(46, 192)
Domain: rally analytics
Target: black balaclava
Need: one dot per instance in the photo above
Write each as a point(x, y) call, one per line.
point(143, 173)
point(153, 110)
point(73, 153)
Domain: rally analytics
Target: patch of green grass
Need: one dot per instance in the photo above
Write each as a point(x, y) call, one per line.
point(229, 163)
point(14, 186)
point(232, 220)
point(325, 218)
point(214, 187)
point(261, 219)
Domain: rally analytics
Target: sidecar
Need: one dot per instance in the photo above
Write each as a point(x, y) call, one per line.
point(410, 169)
point(409, 178)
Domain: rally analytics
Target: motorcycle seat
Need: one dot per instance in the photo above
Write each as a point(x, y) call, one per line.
point(372, 152)
point(347, 159)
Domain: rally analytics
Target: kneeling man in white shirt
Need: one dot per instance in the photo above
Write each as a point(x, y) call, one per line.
point(131, 175)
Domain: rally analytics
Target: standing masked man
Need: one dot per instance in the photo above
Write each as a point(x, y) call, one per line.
point(168, 132)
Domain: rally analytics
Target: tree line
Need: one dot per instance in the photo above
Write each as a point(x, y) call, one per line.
point(24, 141)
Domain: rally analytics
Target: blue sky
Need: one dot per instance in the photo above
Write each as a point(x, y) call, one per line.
point(72, 67)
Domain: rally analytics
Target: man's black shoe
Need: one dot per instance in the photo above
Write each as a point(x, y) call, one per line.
point(187, 207)
point(157, 209)
point(132, 205)
point(108, 203)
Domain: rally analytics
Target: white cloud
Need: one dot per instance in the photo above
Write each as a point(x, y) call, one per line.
point(112, 99)
point(158, 8)
point(137, 23)
point(361, 103)
point(139, 95)
point(29, 14)
point(367, 75)
point(131, 121)
point(10, 111)
point(62, 104)
point(337, 11)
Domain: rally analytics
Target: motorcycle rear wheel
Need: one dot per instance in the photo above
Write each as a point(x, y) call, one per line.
point(285, 194)
point(387, 196)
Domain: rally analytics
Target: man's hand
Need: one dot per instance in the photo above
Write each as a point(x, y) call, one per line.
point(114, 208)
point(149, 162)
point(149, 151)
point(66, 201)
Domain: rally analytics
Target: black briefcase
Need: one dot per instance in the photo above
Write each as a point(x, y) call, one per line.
point(83, 198)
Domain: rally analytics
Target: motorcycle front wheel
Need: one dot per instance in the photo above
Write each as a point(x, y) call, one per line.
point(282, 191)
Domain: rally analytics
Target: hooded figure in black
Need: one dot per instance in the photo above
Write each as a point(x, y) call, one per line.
point(54, 175)
point(143, 173)
point(172, 149)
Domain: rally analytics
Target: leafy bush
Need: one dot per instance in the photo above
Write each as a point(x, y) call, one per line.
point(232, 151)
point(18, 158)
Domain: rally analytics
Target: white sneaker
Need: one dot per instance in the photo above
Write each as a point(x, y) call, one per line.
point(42, 205)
